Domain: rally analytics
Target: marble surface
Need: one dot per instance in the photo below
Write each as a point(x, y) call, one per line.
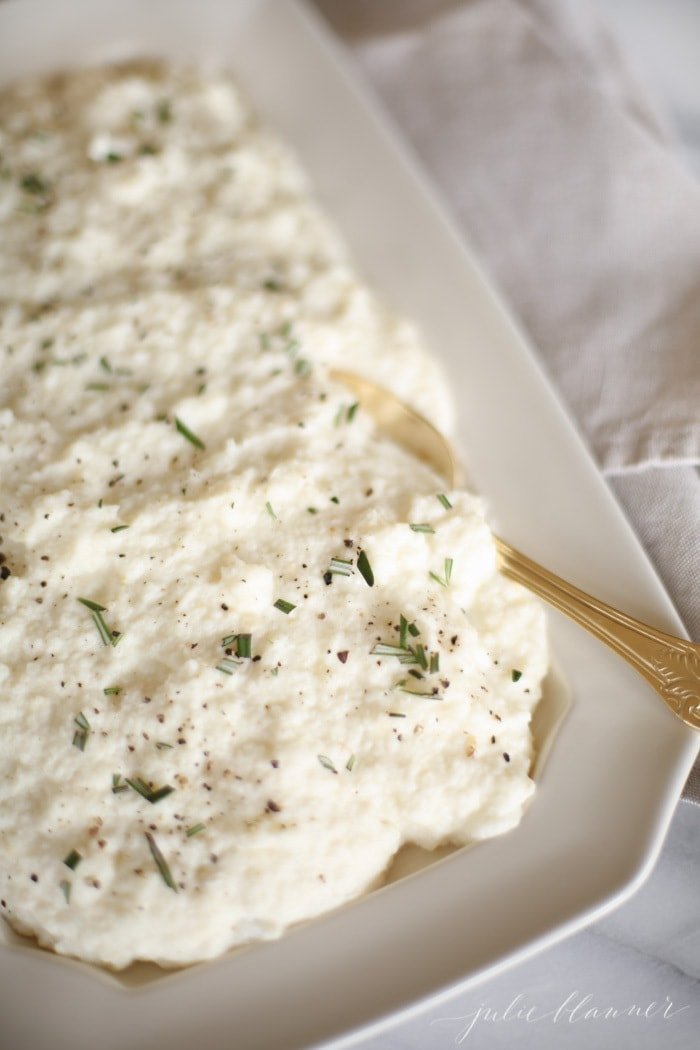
point(645, 953)
point(642, 961)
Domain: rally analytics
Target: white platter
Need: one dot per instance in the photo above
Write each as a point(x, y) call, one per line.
point(611, 782)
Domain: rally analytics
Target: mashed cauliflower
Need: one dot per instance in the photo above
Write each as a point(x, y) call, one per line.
point(248, 647)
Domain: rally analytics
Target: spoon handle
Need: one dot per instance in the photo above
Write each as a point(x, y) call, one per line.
point(671, 665)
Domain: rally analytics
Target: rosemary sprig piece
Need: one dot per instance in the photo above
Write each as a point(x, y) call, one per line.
point(365, 569)
point(444, 580)
point(142, 788)
point(81, 734)
point(183, 429)
point(161, 862)
point(73, 859)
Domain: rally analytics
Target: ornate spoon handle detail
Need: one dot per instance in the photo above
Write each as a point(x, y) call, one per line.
point(671, 665)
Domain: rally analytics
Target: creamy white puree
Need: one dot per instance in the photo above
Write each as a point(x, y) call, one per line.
point(172, 284)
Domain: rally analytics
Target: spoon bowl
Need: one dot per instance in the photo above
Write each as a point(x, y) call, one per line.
point(671, 665)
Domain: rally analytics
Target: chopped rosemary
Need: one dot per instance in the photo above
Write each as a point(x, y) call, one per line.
point(312, 510)
point(65, 889)
point(421, 659)
point(326, 763)
point(228, 665)
point(270, 510)
point(81, 734)
point(105, 365)
point(73, 859)
point(365, 569)
point(35, 184)
point(283, 606)
point(413, 630)
point(302, 367)
point(396, 714)
point(516, 675)
point(431, 695)
point(142, 788)
point(161, 745)
point(346, 415)
point(161, 862)
point(444, 580)
point(183, 429)
point(444, 500)
point(119, 528)
point(117, 784)
point(381, 649)
point(102, 628)
point(229, 639)
point(341, 567)
point(334, 499)
point(421, 526)
point(350, 764)
point(434, 663)
point(196, 829)
point(112, 690)
point(243, 646)
point(95, 606)
point(164, 111)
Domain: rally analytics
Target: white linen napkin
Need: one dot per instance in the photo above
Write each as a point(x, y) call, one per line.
point(560, 172)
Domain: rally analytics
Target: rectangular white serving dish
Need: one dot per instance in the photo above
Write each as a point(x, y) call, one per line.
point(608, 790)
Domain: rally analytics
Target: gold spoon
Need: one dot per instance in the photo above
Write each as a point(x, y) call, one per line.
point(671, 665)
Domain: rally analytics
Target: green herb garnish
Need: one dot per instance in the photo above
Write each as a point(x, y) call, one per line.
point(94, 606)
point(516, 675)
point(161, 745)
point(444, 500)
point(65, 889)
point(243, 645)
point(283, 606)
point(151, 795)
point(326, 763)
point(349, 765)
point(196, 829)
point(73, 859)
point(228, 665)
point(119, 528)
point(365, 569)
point(161, 862)
point(81, 734)
point(270, 510)
point(112, 690)
point(117, 784)
point(35, 184)
point(340, 567)
point(187, 433)
point(164, 111)
point(421, 526)
point(444, 580)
